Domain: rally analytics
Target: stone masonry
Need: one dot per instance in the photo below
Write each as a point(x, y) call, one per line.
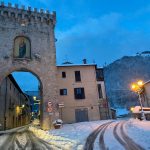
point(38, 27)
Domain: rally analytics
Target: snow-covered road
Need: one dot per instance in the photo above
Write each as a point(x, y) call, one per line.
point(99, 135)
point(95, 135)
point(23, 141)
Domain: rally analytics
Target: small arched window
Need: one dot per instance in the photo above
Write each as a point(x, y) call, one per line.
point(22, 47)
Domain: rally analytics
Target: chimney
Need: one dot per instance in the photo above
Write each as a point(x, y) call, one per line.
point(84, 61)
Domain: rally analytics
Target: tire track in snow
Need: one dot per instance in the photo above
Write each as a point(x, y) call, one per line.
point(91, 138)
point(127, 142)
point(101, 138)
point(118, 138)
point(132, 145)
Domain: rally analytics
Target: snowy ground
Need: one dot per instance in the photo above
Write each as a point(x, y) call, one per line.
point(70, 136)
point(139, 131)
point(74, 136)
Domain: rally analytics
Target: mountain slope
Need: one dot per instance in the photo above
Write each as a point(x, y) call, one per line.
point(120, 74)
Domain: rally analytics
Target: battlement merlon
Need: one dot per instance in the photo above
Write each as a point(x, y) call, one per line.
point(29, 14)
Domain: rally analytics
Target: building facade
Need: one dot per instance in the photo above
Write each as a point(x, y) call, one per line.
point(15, 106)
point(81, 93)
point(146, 94)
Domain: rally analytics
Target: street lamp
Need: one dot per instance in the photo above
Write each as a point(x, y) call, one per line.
point(138, 88)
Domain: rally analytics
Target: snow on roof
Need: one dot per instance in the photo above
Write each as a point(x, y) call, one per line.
point(137, 109)
point(73, 65)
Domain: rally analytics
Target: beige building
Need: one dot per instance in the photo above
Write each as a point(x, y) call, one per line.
point(82, 91)
point(146, 96)
point(15, 106)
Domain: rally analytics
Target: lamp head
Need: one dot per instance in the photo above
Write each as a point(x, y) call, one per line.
point(140, 83)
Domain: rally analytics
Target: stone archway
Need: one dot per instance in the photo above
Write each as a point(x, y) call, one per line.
point(46, 121)
point(17, 23)
point(12, 106)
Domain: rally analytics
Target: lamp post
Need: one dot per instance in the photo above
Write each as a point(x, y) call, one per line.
point(138, 88)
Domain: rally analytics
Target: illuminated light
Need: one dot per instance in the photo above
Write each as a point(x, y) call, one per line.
point(17, 110)
point(36, 103)
point(23, 106)
point(37, 100)
point(34, 97)
point(133, 86)
point(140, 83)
point(132, 109)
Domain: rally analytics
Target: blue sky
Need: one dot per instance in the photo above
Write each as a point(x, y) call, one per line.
point(26, 80)
point(99, 30)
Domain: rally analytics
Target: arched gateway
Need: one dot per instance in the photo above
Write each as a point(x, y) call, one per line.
point(27, 43)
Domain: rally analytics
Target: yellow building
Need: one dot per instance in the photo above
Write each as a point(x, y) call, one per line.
point(81, 93)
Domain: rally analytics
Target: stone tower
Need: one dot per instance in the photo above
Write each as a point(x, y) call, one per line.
point(27, 43)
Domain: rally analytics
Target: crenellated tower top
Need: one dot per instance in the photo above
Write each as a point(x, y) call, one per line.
point(27, 15)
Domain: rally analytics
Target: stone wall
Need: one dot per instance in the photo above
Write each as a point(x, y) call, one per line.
point(38, 27)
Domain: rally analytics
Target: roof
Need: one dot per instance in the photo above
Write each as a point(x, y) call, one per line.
point(74, 65)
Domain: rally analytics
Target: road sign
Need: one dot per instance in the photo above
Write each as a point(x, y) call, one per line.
point(61, 105)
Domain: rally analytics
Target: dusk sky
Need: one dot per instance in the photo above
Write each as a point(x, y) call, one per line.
point(98, 30)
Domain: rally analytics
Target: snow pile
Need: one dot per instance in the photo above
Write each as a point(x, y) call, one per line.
point(139, 131)
point(69, 137)
point(58, 142)
point(36, 122)
point(3, 138)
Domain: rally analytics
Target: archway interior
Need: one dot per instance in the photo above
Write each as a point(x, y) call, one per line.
point(20, 96)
